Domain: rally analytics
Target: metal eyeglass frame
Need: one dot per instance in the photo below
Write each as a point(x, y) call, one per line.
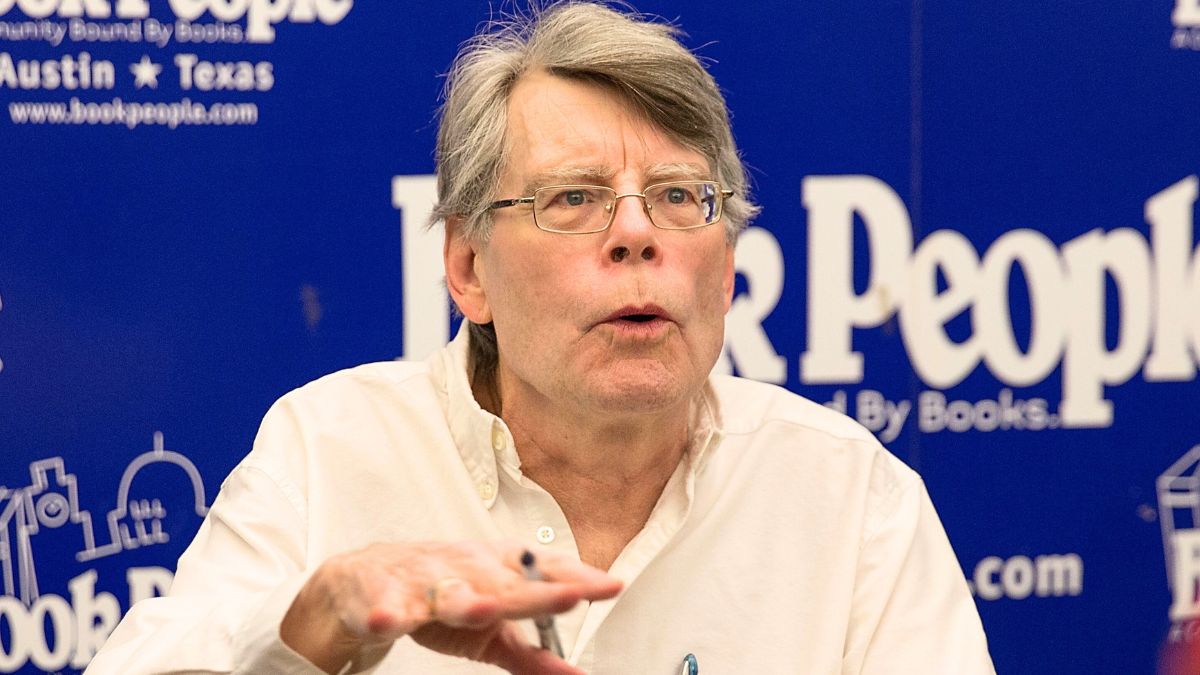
point(612, 208)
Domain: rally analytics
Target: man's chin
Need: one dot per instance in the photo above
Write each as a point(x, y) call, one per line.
point(641, 391)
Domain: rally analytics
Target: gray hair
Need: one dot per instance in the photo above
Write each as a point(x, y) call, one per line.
point(640, 59)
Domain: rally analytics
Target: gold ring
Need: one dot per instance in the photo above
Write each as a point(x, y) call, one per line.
point(431, 595)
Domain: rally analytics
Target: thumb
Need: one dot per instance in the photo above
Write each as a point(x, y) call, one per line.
point(511, 651)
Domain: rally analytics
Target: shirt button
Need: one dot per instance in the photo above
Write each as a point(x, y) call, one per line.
point(497, 437)
point(487, 490)
point(545, 534)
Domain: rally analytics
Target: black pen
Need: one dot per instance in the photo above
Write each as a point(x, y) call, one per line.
point(547, 634)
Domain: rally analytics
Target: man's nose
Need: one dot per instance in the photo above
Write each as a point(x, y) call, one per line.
point(631, 234)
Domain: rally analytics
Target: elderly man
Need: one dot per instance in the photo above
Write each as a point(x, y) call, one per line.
point(390, 517)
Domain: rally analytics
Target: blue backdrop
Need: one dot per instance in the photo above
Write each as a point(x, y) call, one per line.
point(977, 238)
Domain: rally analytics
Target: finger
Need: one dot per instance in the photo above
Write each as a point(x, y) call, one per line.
point(396, 612)
point(510, 651)
point(555, 566)
point(593, 583)
point(459, 605)
point(533, 598)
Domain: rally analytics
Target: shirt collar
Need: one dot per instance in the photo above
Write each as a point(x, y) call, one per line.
point(475, 431)
point(705, 426)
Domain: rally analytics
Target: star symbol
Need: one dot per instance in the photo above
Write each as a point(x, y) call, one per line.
point(145, 72)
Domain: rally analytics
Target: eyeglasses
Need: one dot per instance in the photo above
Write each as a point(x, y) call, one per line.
point(584, 209)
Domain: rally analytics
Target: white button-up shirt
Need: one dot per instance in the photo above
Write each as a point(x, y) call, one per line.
point(787, 540)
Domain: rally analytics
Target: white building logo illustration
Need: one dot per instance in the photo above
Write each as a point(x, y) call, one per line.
point(51, 501)
point(1179, 513)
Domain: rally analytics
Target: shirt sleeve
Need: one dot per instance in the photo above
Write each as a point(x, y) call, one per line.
point(243, 563)
point(233, 586)
point(912, 610)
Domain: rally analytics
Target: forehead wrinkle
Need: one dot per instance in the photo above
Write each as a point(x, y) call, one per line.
point(646, 133)
point(584, 140)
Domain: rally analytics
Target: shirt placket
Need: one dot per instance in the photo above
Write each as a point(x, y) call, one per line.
point(527, 513)
point(665, 521)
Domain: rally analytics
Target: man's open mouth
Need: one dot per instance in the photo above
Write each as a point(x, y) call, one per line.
point(638, 314)
point(639, 318)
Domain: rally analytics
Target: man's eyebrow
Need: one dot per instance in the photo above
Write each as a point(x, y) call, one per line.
point(677, 171)
point(600, 175)
point(569, 175)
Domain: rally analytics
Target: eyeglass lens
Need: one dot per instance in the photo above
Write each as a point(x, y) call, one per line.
point(584, 208)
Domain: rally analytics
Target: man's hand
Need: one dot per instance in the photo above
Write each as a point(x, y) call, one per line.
point(458, 599)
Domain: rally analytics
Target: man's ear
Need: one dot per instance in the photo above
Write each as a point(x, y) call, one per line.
point(464, 278)
point(729, 276)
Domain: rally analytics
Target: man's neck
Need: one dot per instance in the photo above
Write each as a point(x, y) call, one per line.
point(605, 470)
point(614, 447)
point(603, 456)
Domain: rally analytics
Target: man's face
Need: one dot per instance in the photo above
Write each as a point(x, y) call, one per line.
point(626, 320)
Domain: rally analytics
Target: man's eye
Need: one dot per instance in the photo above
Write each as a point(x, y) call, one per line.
point(572, 198)
point(678, 195)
